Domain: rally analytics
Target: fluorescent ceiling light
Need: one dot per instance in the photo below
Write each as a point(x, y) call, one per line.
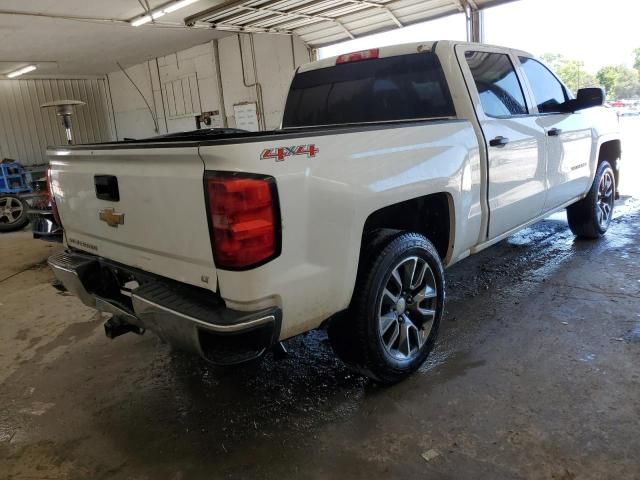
point(178, 5)
point(141, 21)
point(172, 7)
point(22, 71)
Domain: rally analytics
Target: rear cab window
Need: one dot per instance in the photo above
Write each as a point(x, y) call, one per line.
point(404, 87)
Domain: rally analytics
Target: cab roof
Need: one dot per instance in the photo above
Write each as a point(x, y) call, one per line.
point(408, 48)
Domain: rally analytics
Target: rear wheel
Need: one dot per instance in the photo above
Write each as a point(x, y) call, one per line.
point(392, 323)
point(591, 216)
point(13, 213)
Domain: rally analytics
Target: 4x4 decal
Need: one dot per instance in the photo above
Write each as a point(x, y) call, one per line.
point(280, 153)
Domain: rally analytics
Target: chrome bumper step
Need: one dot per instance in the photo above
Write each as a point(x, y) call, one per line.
point(184, 316)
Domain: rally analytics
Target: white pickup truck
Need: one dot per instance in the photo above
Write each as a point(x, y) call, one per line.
point(390, 165)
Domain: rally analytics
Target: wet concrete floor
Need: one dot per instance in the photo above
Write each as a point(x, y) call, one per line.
point(536, 375)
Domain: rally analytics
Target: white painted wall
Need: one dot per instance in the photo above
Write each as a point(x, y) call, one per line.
point(132, 117)
point(181, 85)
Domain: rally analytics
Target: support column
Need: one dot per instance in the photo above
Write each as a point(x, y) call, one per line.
point(475, 24)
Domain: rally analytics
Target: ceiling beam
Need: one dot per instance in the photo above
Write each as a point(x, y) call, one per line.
point(211, 12)
point(63, 17)
point(378, 6)
point(295, 14)
point(346, 30)
point(395, 19)
point(463, 4)
point(98, 20)
point(241, 4)
point(144, 7)
point(282, 13)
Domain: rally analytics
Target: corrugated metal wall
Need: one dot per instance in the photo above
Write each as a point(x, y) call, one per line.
point(26, 130)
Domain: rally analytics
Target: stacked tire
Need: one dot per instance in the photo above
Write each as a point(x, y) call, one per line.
point(13, 213)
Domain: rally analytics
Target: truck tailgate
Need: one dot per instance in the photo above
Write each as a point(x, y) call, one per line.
point(158, 223)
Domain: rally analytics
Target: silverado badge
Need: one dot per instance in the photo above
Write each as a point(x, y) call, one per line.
point(112, 218)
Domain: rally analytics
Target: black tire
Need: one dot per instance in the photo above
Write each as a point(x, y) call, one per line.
point(587, 217)
point(356, 335)
point(9, 221)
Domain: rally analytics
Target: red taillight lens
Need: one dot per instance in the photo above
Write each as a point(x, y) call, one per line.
point(243, 220)
point(52, 199)
point(358, 56)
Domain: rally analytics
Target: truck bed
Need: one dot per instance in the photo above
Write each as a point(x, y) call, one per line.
point(212, 137)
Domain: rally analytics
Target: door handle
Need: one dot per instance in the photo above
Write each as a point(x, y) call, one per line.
point(554, 132)
point(107, 188)
point(499, 141)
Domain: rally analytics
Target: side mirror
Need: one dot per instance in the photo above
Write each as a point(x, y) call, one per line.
point(588, 97)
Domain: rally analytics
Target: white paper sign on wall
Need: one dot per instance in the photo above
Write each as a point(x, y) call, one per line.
point(216, 121)
point(246, 116)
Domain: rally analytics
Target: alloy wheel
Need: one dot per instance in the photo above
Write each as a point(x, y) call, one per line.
point(605, 200)
point(11, 210)
point(408, 308)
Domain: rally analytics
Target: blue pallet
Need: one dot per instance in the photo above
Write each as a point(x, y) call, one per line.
point(12, 178)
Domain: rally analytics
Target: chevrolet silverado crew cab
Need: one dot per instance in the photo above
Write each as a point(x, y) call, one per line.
point(390, 165)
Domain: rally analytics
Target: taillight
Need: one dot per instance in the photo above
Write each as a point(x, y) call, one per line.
point(52, 199)
point(358, 56)
point(244, 220)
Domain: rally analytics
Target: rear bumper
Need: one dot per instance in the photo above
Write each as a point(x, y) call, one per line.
point(187, 317)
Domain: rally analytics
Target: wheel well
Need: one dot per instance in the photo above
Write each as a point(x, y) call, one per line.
point(611, 151)
point(429, 215)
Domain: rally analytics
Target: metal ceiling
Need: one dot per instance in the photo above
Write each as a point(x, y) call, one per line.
point(325, 22)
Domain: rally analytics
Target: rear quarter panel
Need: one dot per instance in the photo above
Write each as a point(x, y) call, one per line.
point(326, 199)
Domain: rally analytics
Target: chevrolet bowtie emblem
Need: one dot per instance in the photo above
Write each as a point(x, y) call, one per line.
point(112, 218)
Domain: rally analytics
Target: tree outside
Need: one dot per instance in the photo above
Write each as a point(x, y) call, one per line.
point(619, 81)
point(608, 77)
point(571, 72)
point(627, 83)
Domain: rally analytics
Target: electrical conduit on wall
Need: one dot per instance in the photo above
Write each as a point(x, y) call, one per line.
point(256, 84)
point(151, 112)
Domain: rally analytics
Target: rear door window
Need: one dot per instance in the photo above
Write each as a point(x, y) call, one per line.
point(500, 92)
point(403, 87)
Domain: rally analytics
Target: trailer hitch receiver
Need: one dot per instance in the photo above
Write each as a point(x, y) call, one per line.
point(114, 328)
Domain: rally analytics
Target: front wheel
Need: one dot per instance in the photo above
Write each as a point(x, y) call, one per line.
point(591, 216)
point(392, 324)
point(13, 213)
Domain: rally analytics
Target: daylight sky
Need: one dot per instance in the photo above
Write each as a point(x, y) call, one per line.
point(595, 31)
